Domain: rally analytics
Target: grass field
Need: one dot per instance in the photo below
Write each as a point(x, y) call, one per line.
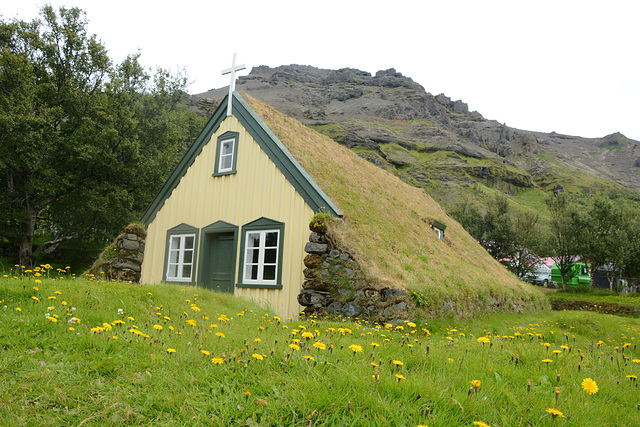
point(84, 352)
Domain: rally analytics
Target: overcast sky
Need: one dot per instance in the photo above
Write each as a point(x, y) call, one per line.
point(565, 66)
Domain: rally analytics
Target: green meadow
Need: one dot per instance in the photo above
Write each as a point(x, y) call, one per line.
point(84, 352)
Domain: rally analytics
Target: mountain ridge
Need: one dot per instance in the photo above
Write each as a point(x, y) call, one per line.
point(433, 141)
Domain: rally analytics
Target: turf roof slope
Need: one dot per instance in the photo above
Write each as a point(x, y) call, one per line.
point(386, 228)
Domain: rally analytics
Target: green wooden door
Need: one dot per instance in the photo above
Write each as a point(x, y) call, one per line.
point(221, 263)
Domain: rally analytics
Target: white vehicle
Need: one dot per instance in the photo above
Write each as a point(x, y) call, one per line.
point(541, 275)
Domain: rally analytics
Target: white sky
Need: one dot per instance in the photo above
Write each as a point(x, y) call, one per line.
point(561, 65)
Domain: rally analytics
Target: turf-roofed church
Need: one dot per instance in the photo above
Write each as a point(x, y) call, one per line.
point(234, 215)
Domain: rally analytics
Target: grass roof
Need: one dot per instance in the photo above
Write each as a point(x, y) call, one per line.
point(386, 224)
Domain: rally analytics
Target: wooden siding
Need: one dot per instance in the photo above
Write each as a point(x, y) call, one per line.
point(258, 189)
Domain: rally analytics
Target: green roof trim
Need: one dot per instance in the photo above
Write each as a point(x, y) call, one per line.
point(272, 146)
point(439, 225)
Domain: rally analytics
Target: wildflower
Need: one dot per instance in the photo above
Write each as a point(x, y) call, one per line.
point(120, 312)
point(157, 327)
point(397, 363)
point(219, 334)
point(484, 340)
point(555, 413)
point(217, 360)
point(636, 360)
point(547, 361)
point(632, 377)
point(400, 377)
point(257, 356)
point(257, 340)
point(205, 352)
point(449, 360)
point(36, 299)
point(589, 386)
point(355, 348)
point(475, 383)
point(480, 424)
point(309, 357)
point(294, 346)
point(320, 346)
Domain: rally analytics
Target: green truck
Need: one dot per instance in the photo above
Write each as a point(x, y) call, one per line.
point(578, 276)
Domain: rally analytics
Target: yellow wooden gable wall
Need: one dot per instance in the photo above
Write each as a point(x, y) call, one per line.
point(258, 189)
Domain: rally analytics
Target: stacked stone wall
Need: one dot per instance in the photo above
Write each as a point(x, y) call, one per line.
point(334, 285)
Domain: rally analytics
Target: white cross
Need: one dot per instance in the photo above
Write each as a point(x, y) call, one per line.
point(232, 84)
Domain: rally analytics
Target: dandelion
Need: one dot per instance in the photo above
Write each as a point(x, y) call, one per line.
point(205, 352)
point(555, 413)
point(170, 350)
point(547, 361)
point(157, 327)
point(36, 299)
point(320, 346)
point(636, 360)
point(480, 424)
point(632, 377)
point(219, 334)
point(400, 377)
point(257, 356)
point(307, 335)
point(374, 345)
point(294, 346)
point(484, 340)
point(450, 360)
point(309, 357)
point(398, 363)
point(475, 383)
point(590, 386)
point(355, 348)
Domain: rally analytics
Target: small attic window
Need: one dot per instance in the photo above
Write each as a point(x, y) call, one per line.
point(438, 228)
point(226, 154)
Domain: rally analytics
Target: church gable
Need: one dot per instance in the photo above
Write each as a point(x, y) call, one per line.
point(226, 158)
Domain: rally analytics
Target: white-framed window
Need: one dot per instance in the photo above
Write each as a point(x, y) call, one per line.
point(227, 153)
point(261, 257)
point(439, 233)
point(180, 257)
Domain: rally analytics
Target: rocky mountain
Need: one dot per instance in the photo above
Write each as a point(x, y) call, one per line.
point(434, 142)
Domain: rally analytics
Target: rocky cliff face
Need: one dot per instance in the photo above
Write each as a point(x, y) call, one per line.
point(432, 141)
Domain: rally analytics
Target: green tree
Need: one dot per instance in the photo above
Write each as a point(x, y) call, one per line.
point(84, 145)
point(498, 238)
point(526, 232)
point(564, 234)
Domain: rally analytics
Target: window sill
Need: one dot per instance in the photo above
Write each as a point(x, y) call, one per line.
point(224, 173)
point(258, 285)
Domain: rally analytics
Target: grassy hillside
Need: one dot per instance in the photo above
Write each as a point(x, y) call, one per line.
point(87, 353)
point(387, 228)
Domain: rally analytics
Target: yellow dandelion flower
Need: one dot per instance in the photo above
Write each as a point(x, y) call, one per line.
point(475, 383)
point(205, 352)
point(400, 377)
point(217, 360)
point(309, 357)
point(375, 344)
point(636, 360)
point(480, 424)
point(320, 346)
point(294, 346)
point(484, 340)
point(590, 386)
point(170, 350)
point(219, 334)
point(355, 348)
point(257, 340)
point(397, 362)
point(547, 361)
point(36, 299)
point(158, 327)
point(450, 360)
point(307, 335)
point(555, 413)
point(257, 356)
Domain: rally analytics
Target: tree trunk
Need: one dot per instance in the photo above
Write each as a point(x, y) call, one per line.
point(26, 243)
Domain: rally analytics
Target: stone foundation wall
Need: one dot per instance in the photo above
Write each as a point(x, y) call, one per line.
point(122, 260)
point(334, 285)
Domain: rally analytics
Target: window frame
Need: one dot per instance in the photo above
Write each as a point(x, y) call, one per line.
point(225, 137)
point(183, 231)
point(262, 226)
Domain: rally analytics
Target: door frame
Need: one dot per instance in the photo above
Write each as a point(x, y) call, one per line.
point(218, 227)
